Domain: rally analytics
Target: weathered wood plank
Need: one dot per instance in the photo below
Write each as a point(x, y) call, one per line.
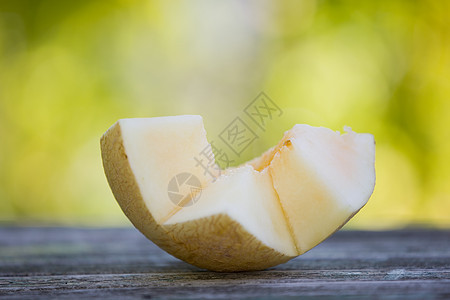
point(120, 263)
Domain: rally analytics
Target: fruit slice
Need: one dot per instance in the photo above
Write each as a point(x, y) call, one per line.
point(252, 217)
point(322, 179)
point(142, 156)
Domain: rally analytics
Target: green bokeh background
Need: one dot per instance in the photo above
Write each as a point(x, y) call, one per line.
point(70, 69)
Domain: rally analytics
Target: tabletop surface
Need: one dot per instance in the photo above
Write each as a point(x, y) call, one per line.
point(119, 263)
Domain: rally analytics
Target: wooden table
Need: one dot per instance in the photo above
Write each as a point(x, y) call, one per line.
point(45, 263)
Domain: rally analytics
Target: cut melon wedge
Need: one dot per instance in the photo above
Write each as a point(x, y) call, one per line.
point(250, 217)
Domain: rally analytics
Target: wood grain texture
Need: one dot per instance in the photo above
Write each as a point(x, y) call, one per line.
point(46, 263)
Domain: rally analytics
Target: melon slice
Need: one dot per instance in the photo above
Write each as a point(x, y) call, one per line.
point(250, 217)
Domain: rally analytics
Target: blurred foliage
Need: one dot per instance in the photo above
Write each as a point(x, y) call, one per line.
point(70, 69)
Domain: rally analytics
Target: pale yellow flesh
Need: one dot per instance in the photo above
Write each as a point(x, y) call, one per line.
point(217, 242)
point(160, 148)
point(273, 209)
point(247, 196)
point(318, 182)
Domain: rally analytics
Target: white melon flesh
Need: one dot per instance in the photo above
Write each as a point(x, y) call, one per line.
point(160, 148)
point(246, 196)
point(322, 179)
point(252, 217)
